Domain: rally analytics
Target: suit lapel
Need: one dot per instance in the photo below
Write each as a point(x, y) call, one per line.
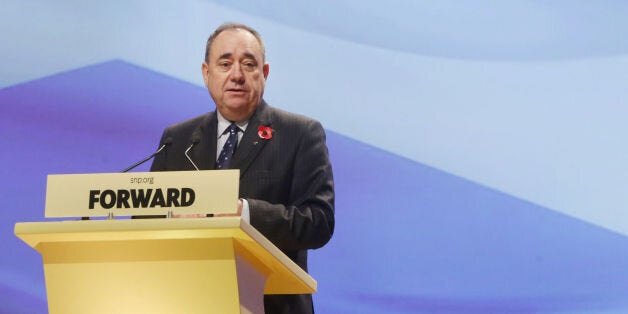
point(204, 153)
point(251, 144)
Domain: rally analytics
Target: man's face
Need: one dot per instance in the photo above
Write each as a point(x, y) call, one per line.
point(235, 74)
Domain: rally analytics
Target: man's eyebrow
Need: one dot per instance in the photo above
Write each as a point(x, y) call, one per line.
point(250, 56)
point(229, 55)
point(226, 55)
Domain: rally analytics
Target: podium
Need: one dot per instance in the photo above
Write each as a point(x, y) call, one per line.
point(170, 265)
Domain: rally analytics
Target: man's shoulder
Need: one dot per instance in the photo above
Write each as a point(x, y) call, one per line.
point(287, 118)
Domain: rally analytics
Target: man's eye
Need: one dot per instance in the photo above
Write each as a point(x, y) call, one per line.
point(249, 65)
point(224, 65)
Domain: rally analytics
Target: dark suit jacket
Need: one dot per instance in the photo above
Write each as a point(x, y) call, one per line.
point(287, 181)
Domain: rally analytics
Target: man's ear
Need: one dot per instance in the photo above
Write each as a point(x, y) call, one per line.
point(265, 70)
point(205, 70)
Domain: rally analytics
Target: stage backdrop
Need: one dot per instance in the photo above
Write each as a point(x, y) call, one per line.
point(501, 125)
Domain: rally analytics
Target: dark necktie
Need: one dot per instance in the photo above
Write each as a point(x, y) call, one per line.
point(224, 159)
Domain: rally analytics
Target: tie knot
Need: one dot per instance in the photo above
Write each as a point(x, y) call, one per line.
point(232, 129)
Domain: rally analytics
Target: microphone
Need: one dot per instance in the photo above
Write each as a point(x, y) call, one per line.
point(167, 142)
point(196, 138)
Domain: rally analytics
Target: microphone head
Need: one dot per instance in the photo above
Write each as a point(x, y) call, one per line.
point(196, 138)
point(167, 141)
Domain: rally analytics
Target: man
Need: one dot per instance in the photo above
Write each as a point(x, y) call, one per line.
point(286, 184)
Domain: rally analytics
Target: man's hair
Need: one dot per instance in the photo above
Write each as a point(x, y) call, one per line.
point(230, 26)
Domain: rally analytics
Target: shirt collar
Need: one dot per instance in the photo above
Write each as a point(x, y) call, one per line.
point(223, 124)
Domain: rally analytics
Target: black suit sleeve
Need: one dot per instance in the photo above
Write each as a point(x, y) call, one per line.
point(306, 221)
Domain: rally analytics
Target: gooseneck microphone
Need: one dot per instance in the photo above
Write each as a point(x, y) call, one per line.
point(167, 142)
point(196, 138)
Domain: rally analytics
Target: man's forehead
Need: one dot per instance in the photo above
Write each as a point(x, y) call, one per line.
point(235, 42)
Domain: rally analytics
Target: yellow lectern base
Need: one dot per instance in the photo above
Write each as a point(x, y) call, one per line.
point(180, 274)
point(214, 265)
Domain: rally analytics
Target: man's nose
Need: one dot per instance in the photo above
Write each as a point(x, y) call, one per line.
point(237, 75)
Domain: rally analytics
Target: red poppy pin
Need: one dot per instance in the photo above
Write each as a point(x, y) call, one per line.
point(265, 132)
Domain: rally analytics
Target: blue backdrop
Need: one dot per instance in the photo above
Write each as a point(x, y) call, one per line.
point(502, 123)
